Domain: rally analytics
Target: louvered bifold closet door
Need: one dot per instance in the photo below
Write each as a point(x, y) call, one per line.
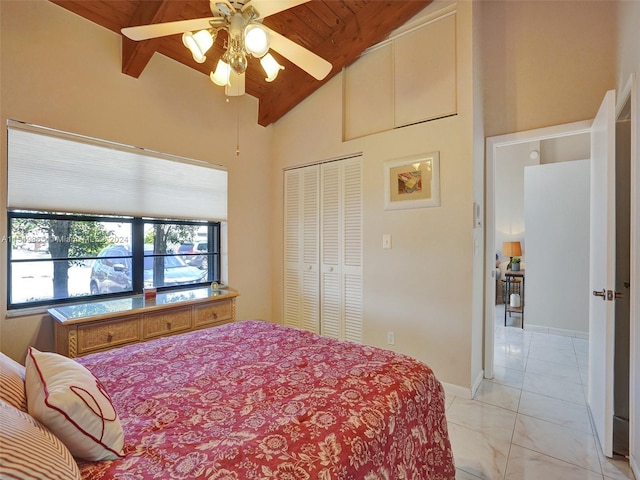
point(352, 260)
point(331, 251)
point(301, 255)
point(341, 249)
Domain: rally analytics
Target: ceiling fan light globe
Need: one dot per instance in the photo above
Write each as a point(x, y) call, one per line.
point(271, 67)
point(238, 62)
point(221, 75)
point(256, 40)
point(198, 43)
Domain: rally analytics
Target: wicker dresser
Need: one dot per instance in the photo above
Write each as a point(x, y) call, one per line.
point(90, 327)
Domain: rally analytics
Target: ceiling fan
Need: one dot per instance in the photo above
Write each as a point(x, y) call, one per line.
point(247, 36)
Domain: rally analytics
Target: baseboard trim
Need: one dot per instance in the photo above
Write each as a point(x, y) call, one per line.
point(634, 466)
point(456, 390)
point(477, 383)
point(557, 331)
point(463, 392)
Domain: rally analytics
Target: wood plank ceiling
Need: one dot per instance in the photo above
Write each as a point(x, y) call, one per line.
point(337, 30)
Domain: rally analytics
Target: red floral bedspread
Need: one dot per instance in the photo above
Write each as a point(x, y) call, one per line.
point(255, 400)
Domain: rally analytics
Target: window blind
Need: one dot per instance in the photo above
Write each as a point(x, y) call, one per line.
point(56, 171)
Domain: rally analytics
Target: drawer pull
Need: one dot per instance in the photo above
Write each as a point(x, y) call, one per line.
point(169, 325)
point(110, 336)
point(215, 315)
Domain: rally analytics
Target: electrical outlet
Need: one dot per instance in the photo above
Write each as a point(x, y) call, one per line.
point(391, 338)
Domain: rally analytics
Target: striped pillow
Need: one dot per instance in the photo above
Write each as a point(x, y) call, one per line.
point(29, 451)
point(12, 389)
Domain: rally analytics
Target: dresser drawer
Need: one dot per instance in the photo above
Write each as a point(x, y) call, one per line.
point(166, 323)
point(220, 312)
point(103, 335)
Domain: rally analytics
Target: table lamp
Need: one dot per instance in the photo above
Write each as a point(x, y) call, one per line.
point(511, 249)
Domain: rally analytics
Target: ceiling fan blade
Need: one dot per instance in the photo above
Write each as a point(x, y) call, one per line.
point(271, 7)
point(311, 63)
point(145, 32)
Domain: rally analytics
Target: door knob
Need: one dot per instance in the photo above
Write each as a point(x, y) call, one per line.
point(611, 295)
point(602, 294)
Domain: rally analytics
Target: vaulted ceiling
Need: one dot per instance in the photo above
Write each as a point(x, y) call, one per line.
point(337, 30)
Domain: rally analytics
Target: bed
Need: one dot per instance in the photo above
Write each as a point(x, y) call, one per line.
point(256, 400)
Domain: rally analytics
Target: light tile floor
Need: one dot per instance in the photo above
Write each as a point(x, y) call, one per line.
point(531, 420)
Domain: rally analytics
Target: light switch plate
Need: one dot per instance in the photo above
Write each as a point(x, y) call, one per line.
point(386, 240)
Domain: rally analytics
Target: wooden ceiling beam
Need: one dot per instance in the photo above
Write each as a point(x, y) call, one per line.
point(344, 45)
point(136, 55)
point(338, 30)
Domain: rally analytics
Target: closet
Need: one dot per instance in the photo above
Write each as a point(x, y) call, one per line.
point(323, 248)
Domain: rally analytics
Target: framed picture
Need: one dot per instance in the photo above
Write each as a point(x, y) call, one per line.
point(412, 182)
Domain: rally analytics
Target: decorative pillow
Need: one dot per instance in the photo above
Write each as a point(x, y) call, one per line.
point(28, 450)
point(73, 404)
point(12, 388)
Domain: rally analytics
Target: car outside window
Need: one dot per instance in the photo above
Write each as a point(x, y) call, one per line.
point(59, 258)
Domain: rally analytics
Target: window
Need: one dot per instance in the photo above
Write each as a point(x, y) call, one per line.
point(58, 258)
point(88, 218)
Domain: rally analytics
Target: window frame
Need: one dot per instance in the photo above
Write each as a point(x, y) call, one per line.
point(137, 242)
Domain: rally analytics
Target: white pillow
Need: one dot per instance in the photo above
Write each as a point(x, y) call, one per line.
point(73, 404)
point(29, 451)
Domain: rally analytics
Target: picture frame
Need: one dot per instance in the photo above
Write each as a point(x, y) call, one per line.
point(412, 182)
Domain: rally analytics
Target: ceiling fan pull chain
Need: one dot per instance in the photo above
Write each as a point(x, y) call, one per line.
point(238, 129)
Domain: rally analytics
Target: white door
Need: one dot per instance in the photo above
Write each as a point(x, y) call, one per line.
point(301, 244)
point(341, 249)
point(323, 248)
point(602, 273)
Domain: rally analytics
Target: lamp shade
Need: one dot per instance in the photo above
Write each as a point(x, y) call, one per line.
point(256, 40)
point(511, 249)
point(198, 43)
point(271, 67)
point(221, 75)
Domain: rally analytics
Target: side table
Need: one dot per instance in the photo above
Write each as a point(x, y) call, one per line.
point(513, 283)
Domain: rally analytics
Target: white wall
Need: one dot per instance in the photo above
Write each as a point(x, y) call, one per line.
point(510, 163)
point(509, 193)
point(564, 149)
point(422, 287)
point(539, 70)
point(479, 233)
point(556, 198)
point(546, 63)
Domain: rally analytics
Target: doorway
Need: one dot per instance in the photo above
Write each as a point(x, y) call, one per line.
point(493, 150)
point(626, 258)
